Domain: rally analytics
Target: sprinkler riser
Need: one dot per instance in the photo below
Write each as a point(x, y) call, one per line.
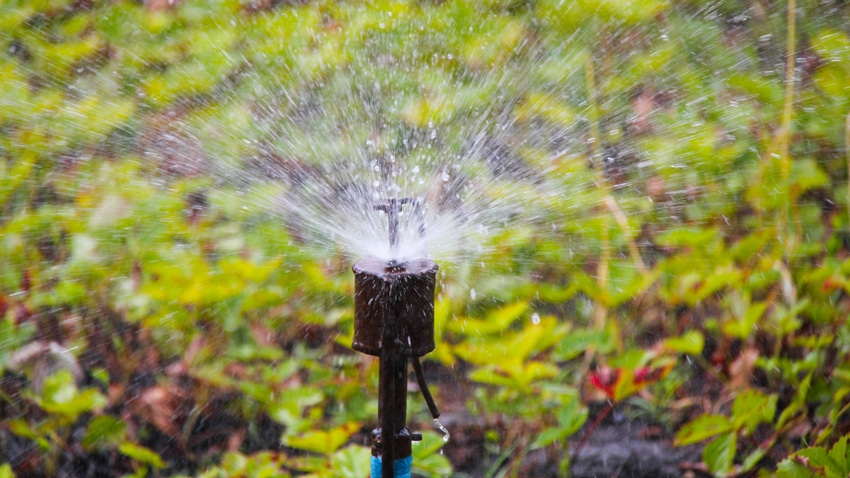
point(393, 320)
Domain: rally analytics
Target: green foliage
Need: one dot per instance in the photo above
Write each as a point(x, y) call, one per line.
point(6, 471)
point(817, 462)
point(682, 243)
point(750, 409)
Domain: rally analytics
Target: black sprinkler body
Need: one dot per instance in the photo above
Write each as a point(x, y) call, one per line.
point(398, 300)
point(394, 320)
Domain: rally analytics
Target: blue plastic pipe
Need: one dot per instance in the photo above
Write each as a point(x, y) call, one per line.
point(401, 467)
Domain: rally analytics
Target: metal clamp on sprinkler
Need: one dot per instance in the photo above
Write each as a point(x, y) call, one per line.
point(394, 320)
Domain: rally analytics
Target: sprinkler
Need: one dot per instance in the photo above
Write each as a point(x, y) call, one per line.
point(394, 320)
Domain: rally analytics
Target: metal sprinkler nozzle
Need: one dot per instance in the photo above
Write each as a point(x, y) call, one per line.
point(394, 320)
point(393, 208)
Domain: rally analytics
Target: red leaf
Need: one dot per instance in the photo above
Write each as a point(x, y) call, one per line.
point(605, 379)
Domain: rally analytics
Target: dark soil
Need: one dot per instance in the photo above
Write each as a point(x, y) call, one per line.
point(621, 450)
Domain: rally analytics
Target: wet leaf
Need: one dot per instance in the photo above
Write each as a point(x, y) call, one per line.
point(103, 431)
point(720, 453)
point(426, 459)
point(789, 468)
point(12, 337)
point(751, 408)
point(321, 441)
point(840, 454)
point(141, 454)
point(350, 462)
point(61, 396)
point(579, 341)
point(747, 323)
point(704, 426)
point(690, 343)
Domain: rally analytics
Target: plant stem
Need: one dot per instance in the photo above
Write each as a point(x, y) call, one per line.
point(788, 109)
point(784, 138)
point(847, 156)
point(601, 310)
point(604, 413)
point(623, 222)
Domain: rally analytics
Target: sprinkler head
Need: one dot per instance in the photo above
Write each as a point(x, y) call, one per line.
point(403, 293)
point(394, 320)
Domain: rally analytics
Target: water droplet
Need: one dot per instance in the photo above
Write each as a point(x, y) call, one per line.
point(445, 432)
point(535, 318)
point(472, 294)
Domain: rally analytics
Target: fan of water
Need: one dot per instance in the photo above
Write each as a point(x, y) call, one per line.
point(324, 161)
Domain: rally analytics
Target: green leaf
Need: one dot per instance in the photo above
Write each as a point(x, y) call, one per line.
point(744, 326)
point(321, 441)
point(751, 408)
point(104, 430)
point(631, 359)
point(572, 415)
point(840, 454)
point(141, 454)
point(289, 407)
point(6, 471)
point(752, 459)
point(85, 401)
point(265, 465)
point(21, 428)
point(426, 460)
point(705, 426)
point(351, 462)
point(690, 343)
point(496, 321)
point(832, 45)
point(60, 396)
point(798, 402)
point(431, 443)
point(549, 436)
point(817, 457)
point(578, 341)
point(12, 336)
point(719, 454)
point(688, 237)
point(492, 375)
point(434, 466)
point(59, 389)
point(789, 468)
point(807, 175)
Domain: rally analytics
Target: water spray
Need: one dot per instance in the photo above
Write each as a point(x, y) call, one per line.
point(394, 320)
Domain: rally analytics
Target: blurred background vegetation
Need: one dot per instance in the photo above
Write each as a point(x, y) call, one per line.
point(692, 272)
